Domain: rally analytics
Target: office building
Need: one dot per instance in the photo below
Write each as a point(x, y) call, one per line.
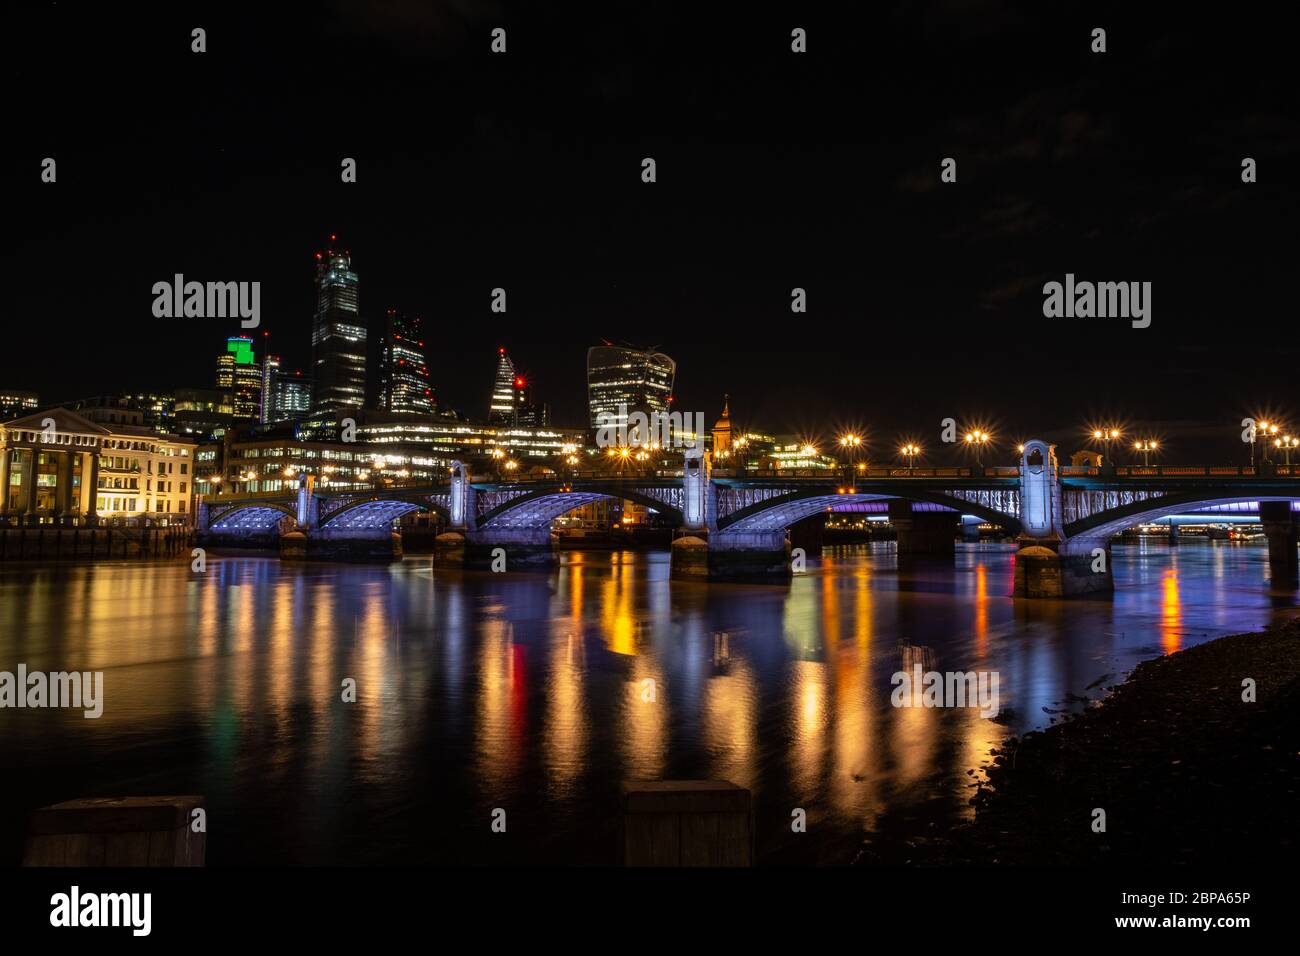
point(338, 336)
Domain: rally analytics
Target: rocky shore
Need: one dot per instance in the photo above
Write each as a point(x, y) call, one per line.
point(1185, 770)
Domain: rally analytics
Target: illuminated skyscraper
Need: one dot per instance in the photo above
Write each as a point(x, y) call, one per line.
point(338, 336)
point(501, 409)
point(621, 381)
point(270, 368)
point(240, 376)
point(404, 386)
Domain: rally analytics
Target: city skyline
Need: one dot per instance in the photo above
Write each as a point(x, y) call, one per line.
point(917, 290)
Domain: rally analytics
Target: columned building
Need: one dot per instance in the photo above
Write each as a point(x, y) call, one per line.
point(60, 466)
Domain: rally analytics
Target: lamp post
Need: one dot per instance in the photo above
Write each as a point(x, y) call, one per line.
point(977, 440)
point(850, 443)
point(1270, 430)
point(1286, 443)
point(1146, 447)
point(1107, 437)
point(910, 451)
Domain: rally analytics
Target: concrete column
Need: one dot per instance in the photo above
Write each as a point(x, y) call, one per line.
point(4, 479)
point(758, 556)
point(92, 510)
point(808, 533)
point(1070, 569)
point(1173, 532)
point(1280, 528)
point(29, 481)
point(63, 492)
point(923, 533)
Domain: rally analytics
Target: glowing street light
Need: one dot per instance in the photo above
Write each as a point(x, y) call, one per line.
point(910, 451)
point(978, 440)
point(1146, 447)
point(1286, 443)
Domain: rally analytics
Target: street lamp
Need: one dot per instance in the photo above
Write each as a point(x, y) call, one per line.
point(1286, 443)
point(1270, 430)
point(977, 440)
point(1107, 437)
point(1146, 447)
point(910, 451)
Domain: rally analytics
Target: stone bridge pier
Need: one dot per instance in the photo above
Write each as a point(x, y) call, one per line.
point(923, 533)
point(1048, 564)
point(1279, 522)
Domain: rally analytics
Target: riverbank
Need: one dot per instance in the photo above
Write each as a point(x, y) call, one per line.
point(1185, 770)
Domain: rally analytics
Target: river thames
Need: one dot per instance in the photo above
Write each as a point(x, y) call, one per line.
point(541, 693)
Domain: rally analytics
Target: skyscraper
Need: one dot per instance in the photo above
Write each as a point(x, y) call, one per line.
point(501, 408)
point(240, 376)
point(621, 381)
point(338, 335)
point(270, 368)
point(404, 385)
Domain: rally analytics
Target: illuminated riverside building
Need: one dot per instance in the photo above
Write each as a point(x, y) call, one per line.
point(153, 410)
point(404, 377)
point(15, 402)
point(338, 335)
point(80, 469)
point(388, 448)
point(240, 375)
point(621, 381)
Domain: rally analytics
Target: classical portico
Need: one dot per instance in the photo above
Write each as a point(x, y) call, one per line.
point(49, 468)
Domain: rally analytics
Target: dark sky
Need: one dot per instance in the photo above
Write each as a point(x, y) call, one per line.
point(775, 170)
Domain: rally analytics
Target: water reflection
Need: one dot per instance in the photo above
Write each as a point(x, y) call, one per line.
point(541, 693)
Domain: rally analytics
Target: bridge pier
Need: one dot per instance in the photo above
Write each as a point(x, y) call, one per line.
point(970, 528)
point(505, 549)
point(330, 544)
point(742, 556)
point(1047, 568)
point(1279, 525)
point(808, 534)
point(924, 533)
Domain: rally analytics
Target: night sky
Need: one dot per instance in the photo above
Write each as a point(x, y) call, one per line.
point(775, 170)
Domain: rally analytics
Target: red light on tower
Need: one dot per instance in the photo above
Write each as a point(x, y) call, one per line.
point(519, 383)
point(501, 351)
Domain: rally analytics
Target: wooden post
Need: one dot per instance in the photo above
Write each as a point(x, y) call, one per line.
point(116, 831)
point(687, 823)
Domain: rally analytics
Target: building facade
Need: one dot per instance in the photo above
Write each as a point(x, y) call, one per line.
point(404, 386)
point(338, 335)
point(622, 381)
point(61, 466)
point(240, 375)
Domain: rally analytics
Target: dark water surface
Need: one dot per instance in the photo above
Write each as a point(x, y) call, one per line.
point(527, 692)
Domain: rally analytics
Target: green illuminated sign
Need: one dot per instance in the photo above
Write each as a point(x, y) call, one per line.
point(243, 349)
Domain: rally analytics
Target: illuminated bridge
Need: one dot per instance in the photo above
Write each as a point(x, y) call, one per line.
point(735, 525)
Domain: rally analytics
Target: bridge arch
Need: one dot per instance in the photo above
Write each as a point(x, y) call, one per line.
point(538, 508)
point(776, 514)
point(258, 516)
point(379, 512)
point(1086, 533)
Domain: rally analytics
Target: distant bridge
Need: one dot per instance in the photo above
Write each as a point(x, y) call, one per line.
point(736, 522)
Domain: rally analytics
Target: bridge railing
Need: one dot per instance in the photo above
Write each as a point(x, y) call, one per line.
point(1170, 471)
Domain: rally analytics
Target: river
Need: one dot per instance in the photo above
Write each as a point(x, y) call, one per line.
point(539, 693)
